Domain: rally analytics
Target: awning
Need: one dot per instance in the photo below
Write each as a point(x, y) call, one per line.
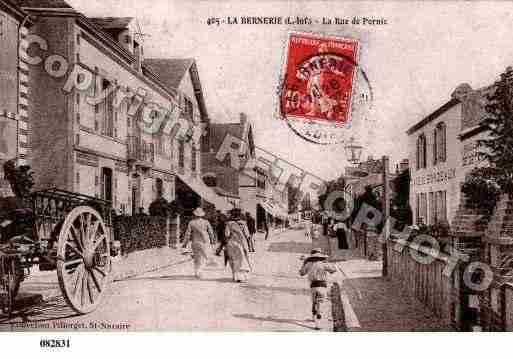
point(273, 209)
point(206, 193)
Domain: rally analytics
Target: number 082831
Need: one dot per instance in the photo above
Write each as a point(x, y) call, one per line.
point(54, 343)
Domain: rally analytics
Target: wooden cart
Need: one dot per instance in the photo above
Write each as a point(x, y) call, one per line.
point(63, 231)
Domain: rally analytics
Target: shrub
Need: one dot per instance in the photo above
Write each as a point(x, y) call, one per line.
point(481, 191)
point(137, 233)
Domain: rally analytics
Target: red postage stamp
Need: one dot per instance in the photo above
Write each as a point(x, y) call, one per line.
point(318, 79)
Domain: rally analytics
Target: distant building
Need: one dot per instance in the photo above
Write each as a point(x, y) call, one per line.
point(251, 188)
point(225, 176)
point(442, 151)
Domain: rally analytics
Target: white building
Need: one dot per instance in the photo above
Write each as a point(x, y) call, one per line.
point(442, 151)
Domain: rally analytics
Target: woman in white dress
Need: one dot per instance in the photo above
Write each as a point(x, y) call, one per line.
point(200, 233)
point(236, 249)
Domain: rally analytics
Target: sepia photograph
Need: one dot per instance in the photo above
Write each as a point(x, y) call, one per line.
point(258, 166)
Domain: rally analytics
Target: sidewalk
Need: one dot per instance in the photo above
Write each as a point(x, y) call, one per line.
point(374, 303)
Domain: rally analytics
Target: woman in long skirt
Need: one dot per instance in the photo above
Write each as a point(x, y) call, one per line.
point(236, 249)
point(200, 233)
point(340, 231)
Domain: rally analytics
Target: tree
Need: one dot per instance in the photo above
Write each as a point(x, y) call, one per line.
point(294, 197)
point(20, 178)
point(336, 185)
point(400, 204)
point(369, 198)
point(498, 147)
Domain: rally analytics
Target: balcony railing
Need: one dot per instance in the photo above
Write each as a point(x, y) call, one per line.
point(140, 152)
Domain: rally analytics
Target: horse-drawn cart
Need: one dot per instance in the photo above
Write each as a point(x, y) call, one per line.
point(63, 231)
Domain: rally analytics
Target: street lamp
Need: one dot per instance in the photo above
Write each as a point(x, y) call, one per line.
point(353, 151)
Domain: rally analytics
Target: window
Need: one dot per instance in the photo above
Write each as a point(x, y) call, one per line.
point(422, 208)
point(432, 208)
point(421, 152)
point(78, 99)
point(106, 184)
point(181, 154)
point(260, 181)
point(108, 114)
point(441, 206)
point(78, 178)
point(188, 111)
point(194, 159)
point(439, 143)
point(159, 187)
point(78, 39)
point(2, 22)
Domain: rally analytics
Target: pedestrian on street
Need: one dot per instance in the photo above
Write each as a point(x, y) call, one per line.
point(199, 232)
point(317, 268)
point(340, 230)
point(220, 228)
point(236, 245)
point(325, 224)
point(252, 230)
point(266, 227)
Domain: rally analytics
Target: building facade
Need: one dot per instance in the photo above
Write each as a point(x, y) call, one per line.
point(442, 151)
point(224, 174)
point(91, 91)
point(14, 86)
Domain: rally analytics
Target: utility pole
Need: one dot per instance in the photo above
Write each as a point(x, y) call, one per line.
point(386, 208)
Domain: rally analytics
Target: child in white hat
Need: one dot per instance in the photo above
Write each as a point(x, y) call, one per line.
point(317, 268)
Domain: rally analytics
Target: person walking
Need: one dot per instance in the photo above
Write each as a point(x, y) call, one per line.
point(252, 230)
point(236, 250)
point(266, 227)
point(340, 230)
point(199, 232)
point(220, 228)
point(325, 224)
point(317, 268)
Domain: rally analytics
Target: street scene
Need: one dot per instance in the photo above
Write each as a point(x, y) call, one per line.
point(154, 178)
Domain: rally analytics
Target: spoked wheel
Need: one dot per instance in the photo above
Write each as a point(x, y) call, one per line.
point(83, 259)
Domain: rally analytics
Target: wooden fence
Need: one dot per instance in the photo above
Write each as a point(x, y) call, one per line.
point(426, 281)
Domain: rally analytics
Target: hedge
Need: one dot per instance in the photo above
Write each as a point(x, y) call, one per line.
point(137, 233)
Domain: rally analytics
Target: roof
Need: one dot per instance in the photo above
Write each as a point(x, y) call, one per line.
point(13, 9)
point(218, 132)
point(112, 22)
point(458, 96)
point(44, 4)
point(434, 115)
point(170, 71)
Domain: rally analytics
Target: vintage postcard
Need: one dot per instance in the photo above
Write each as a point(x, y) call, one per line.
point(270, 166)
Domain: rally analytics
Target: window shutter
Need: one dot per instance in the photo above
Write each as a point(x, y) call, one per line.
point(443, 141)
point(435, 146)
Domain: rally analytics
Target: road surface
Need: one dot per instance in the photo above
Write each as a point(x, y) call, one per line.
point(275, 298)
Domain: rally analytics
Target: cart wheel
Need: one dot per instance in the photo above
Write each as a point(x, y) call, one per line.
point(83, 259)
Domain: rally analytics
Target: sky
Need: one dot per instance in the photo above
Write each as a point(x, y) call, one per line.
point(413, 63)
